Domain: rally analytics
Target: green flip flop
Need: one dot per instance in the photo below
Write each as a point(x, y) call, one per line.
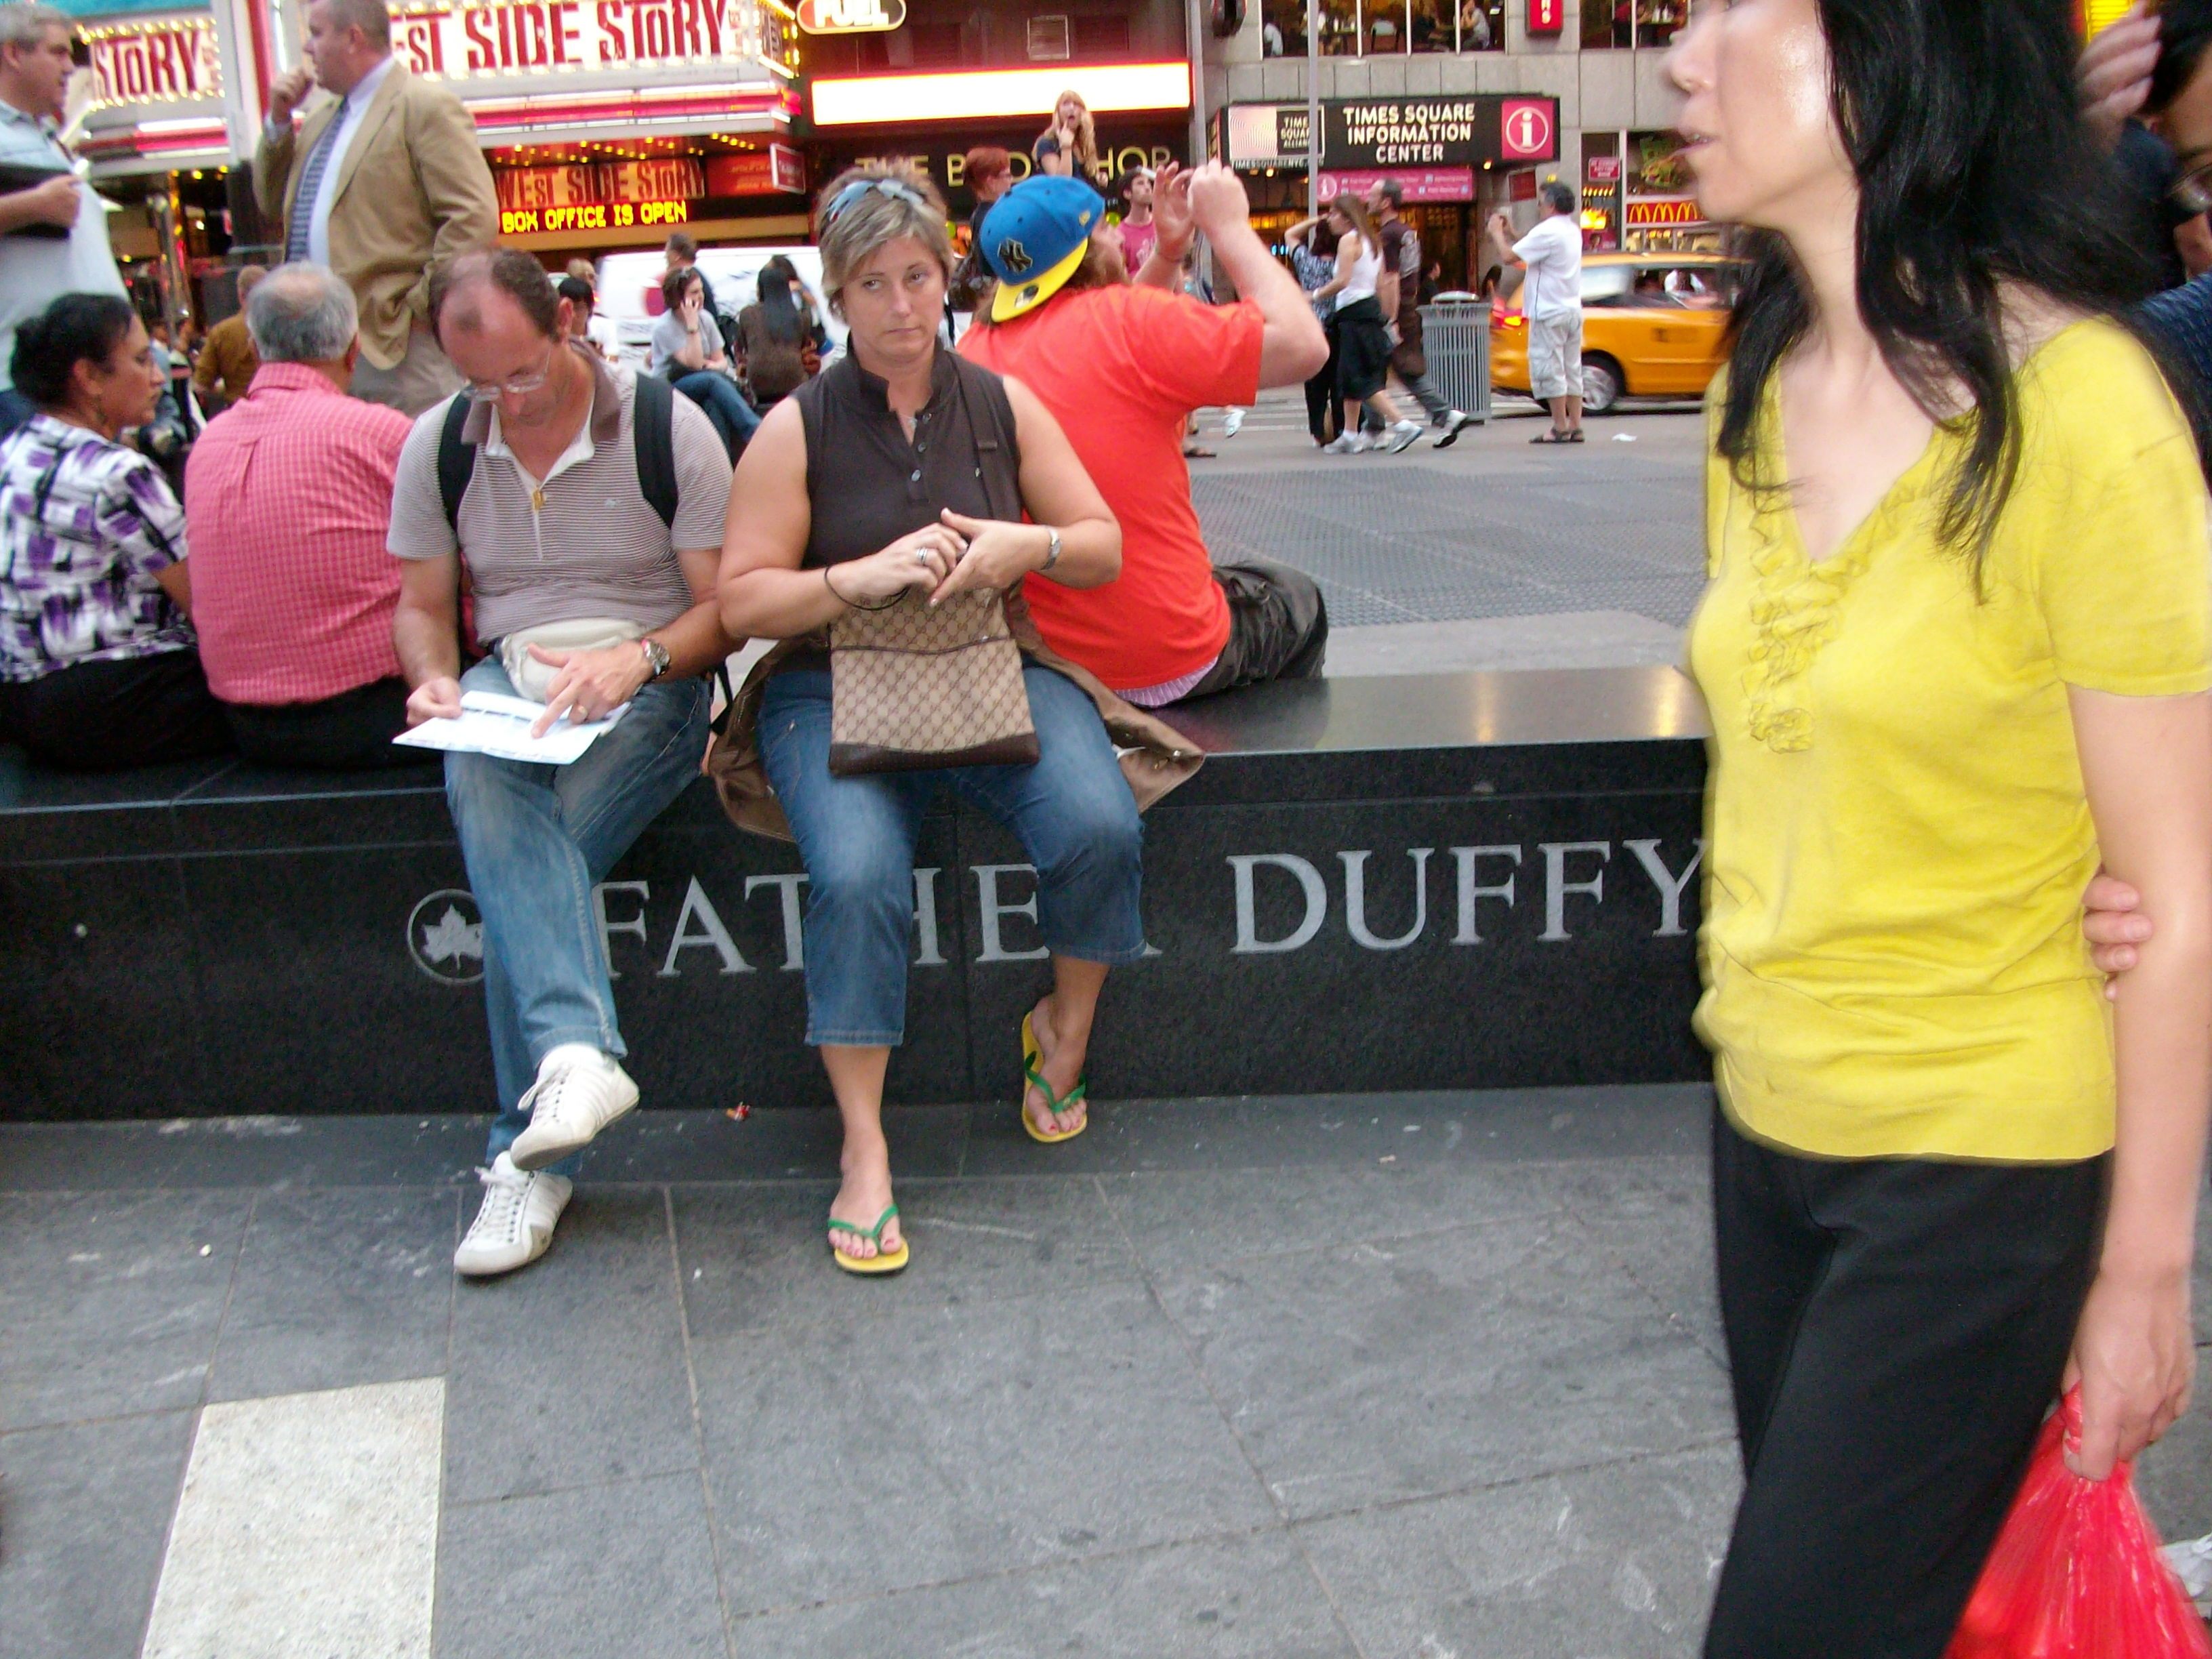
point(880, 1262)
point(1032, 1074)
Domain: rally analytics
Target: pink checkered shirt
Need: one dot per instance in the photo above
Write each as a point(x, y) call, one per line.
point(288, 497)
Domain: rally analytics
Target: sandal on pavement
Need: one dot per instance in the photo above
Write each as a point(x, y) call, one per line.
point(880, 1262)
point(1549, 436)
point(1574, 437)
point(1033, 1076)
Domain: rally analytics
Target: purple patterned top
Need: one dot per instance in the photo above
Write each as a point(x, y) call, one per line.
point(84, 526)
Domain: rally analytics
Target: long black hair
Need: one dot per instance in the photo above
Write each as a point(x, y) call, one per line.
point(1975, 172)
point(779, 308)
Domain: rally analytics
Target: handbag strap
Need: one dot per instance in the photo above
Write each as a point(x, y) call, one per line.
point(1000, 438)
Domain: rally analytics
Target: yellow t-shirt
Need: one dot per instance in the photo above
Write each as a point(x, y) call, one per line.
point(1897, 832)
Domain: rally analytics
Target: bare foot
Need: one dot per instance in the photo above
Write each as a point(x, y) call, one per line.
point(1061, 1063)
point(866, 1194)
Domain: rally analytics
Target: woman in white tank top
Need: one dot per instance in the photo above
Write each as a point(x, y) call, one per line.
point(1358, 334)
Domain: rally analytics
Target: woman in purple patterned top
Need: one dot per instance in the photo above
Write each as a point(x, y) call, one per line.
point(98, 663)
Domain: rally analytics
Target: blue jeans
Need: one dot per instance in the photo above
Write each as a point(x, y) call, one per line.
point(724, 404)
point(536, 840)
point(1072, 812)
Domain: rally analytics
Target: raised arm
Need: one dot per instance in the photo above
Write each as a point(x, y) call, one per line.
point(2147, 765)
point(54, 202)
point(1292, 345)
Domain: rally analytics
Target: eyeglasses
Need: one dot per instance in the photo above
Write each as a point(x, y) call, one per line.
point(521, 386)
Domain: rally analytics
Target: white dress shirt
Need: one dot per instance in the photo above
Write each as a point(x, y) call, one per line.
point(356, 106)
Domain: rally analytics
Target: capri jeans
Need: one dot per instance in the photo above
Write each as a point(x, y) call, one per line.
point(1071, 812)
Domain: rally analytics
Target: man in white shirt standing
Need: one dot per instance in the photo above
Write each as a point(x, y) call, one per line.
point(385, 183)
point(1552, 301)
point(53, 231)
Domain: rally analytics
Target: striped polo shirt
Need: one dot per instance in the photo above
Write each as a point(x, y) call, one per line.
point(581, 542)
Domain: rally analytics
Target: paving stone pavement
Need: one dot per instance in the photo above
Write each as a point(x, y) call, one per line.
point(1406, 1377)
point(1489, 528)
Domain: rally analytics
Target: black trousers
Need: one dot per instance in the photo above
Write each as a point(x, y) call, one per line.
point(133, 711)
point(351, 732)
point(1324, 413)
point(1277, 627)
point(1897, 1329)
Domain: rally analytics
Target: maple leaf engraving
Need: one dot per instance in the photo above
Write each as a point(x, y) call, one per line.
point(453, 937)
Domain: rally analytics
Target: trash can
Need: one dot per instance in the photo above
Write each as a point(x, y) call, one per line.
point(1455, 335)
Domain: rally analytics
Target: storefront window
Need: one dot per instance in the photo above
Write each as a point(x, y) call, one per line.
point(1364, 27)
point(1342, 28)
point(1459, 25)
point(1626, 23)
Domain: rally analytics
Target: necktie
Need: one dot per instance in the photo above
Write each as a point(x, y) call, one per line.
point(311, 184)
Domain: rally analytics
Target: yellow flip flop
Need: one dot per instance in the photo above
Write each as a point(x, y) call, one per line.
point(879, 1263)
point(1033, 1074)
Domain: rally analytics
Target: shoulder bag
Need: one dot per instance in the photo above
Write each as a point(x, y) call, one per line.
point(913, 688)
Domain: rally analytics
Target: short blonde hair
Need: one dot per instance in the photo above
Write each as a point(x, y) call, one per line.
point(865, 209)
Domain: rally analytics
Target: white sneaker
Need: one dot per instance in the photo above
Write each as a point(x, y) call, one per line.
point(1232, 423)
point(578, 1093)
point(1400, 435)
point(1455, 423)
point(2191, 1561)
point(516, 1222)
point(1348, 443)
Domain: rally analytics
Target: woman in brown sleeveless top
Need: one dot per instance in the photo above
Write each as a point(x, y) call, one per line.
point(876, 477)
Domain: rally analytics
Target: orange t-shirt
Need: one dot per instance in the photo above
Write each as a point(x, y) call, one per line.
point(1121, 367)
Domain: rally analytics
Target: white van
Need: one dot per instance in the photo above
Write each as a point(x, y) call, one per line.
point(629, 290)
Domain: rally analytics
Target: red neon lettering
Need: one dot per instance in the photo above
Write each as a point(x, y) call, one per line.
point(484, 54)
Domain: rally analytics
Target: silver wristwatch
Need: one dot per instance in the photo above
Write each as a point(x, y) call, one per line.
point(656, 659)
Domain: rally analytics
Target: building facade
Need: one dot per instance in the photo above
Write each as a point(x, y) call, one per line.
point(1414, 66)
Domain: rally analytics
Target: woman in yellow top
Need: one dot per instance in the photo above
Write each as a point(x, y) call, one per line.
point(1956, 648)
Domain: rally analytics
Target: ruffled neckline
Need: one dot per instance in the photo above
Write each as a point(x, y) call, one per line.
point(1797, 603)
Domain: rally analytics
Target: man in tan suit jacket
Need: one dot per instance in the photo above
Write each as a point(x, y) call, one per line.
point(384, 182)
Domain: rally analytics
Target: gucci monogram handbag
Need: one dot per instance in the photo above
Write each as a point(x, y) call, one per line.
point(912, 689)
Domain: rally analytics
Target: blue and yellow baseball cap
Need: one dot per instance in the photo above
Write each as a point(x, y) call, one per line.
point(1033, 238)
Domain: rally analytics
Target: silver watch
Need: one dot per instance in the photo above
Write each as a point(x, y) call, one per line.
point(656, 659)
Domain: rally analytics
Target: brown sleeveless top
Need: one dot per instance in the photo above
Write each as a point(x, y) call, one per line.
point(868, 484)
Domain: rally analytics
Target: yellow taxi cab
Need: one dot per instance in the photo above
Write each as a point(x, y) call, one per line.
point(1653, 326)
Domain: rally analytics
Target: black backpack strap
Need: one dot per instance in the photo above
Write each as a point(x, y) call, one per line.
point(457, 461)
point(653, 419)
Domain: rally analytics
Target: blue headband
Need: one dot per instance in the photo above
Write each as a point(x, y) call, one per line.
point(860, 187)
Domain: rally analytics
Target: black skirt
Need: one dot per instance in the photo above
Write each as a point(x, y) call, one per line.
point(1363, 357)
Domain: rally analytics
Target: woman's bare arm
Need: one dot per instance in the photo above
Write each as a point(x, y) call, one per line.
point(1348, 256)
point(1058, 494)
point(2147, 765)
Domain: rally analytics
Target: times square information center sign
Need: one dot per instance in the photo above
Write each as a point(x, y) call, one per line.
point(1385, 133)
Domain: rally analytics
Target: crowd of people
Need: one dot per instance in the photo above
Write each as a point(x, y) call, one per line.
point(1956, 648)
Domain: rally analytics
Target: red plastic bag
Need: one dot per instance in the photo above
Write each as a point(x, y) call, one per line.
point(2077, 1572)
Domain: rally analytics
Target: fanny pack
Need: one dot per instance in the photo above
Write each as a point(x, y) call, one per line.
point(532, 679)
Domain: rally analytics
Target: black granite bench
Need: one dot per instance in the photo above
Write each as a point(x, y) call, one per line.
point(1464, 881)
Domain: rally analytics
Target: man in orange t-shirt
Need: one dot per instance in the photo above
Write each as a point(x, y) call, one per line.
point(1122, 367)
